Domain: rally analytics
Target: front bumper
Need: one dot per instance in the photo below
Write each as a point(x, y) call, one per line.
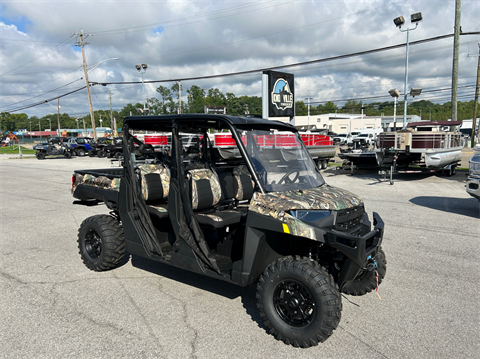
point(473, 187)
point(356, 249)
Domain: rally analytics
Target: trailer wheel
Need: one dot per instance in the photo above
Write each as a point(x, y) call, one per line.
point(101, 242)
point(299, 301)
point(451, 171)
point(366, 281)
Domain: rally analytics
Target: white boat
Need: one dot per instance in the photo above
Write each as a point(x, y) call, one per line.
point(423, 144)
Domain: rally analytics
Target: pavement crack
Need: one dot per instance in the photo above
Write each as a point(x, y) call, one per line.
point(363, 342)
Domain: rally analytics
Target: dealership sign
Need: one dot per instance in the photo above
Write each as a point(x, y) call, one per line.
point(281, 98)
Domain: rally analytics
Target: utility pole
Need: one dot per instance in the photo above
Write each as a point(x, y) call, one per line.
point(58, 117)
point(179, 97)
point(82, 44)
point(111, 113)
point(475, 106)
point(456, 41)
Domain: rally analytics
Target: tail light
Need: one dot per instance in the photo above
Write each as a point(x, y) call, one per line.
point(74, 177)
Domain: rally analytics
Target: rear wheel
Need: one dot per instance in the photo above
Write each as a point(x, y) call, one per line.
point(80, 152)
point(101, 242)
point(299, 301)
point(118, 155)
point(101, 154)
point(366, 281)
point(67, 154)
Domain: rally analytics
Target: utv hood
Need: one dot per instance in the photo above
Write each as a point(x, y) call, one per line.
point(274, 204)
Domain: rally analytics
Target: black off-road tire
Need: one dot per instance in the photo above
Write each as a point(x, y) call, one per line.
point(40, 155)
point(101, 154)
point(118, 155)
point(67, 155)
point(299, 301)
point(366, 281)
point(91, 153)
point(101, 242)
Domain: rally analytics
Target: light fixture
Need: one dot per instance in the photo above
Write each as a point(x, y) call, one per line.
point(399, 21)
point(416, 18)
point(394, 93)
point(138, 67)
point(144, 66)
point(415, 91)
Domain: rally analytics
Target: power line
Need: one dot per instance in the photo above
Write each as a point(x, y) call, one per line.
point(39, 56)
point(239, 73)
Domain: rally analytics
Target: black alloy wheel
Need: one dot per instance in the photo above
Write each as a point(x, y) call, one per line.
point(101, 242)
point(299, 301)
point(294, 303)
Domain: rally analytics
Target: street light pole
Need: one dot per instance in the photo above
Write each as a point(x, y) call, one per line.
point(395, 94)
point(308, 111)
point(399, 22)
point(142, 68)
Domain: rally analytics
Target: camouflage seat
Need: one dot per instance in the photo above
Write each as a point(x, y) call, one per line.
point(205, 194)
point(243, 184)
point(155, 180)
point(235, 183)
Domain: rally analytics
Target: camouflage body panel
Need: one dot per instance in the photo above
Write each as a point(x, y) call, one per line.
point(101, 182)
point(204, 174)
point(276, 204)
point(299, 228)
point(162, 171)
point(237, 173)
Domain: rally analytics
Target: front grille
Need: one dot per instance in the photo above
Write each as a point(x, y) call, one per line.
point(349, 219)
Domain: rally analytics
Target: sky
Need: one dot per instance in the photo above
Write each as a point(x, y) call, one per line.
point(40, 59)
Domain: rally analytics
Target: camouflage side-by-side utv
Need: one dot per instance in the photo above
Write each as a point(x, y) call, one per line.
point(257, 213)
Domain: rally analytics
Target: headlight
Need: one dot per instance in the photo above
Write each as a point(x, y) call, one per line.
point(309, 216)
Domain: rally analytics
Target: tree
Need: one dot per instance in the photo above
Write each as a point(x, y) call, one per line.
point(166, 103)
point(196, 99)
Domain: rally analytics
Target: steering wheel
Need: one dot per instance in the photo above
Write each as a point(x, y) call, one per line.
point(287, 177)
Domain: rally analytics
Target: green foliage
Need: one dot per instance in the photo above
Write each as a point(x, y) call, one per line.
point(198, 98)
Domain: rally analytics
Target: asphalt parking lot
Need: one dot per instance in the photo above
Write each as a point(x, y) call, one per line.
point(52, 306)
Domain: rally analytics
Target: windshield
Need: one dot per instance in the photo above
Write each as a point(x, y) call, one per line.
point(342, 135)
point(281, 160)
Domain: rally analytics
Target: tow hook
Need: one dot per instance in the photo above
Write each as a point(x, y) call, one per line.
point(371, 265)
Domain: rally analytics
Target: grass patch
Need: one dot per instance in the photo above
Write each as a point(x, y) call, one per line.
point(14, 151)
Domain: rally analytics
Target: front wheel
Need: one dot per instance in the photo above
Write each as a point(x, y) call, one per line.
point(67, 154)
point(101, 242)
point(40, 155)
point(366, 281)
point(299, 301)
point(80, 152)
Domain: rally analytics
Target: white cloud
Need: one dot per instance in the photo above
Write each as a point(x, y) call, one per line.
point(187, 39)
